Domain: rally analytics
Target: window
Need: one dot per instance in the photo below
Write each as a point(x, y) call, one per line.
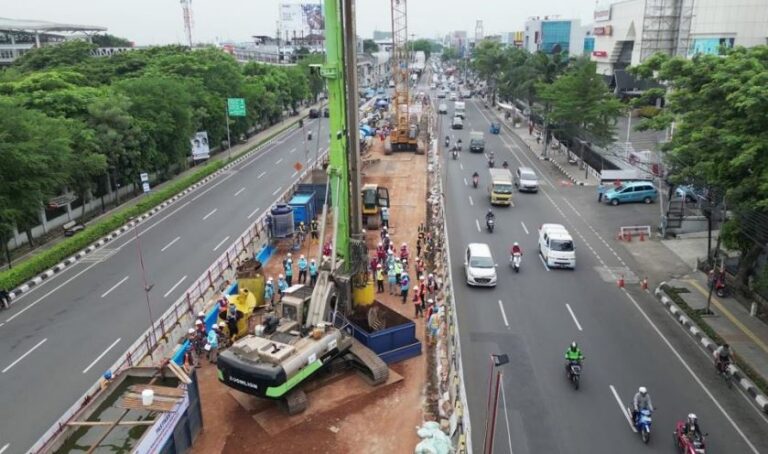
point(481, 262)
point(561, 245)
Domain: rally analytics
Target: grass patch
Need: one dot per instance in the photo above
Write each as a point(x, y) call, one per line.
point(696, 316)
point(27, 269)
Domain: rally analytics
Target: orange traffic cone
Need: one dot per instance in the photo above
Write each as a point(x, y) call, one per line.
point(628, 237)
point(620, 282)
point(642, 236)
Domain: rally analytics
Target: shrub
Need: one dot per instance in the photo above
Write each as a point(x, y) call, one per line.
point(648, 111)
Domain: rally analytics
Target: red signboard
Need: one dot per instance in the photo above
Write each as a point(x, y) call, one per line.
point(599, 53)
point(603, 31)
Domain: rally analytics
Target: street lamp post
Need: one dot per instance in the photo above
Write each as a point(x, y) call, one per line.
point(496, 361)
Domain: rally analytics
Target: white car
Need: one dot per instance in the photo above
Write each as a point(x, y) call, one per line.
point(556, 246)
point(458, 123)
point(442, 108)
point(479, 265)
point(452, 96)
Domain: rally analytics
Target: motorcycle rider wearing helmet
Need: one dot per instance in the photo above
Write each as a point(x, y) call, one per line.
point(458, 142)
point(489, 215)
point(505, 165)
point(475, 178)
point(722, 356)
point(573, 354)
point(516, 249)
point(641, 401)
point(691, 428)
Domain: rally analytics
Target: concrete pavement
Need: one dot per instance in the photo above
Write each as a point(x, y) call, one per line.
point(59, 337)
point(532, 316)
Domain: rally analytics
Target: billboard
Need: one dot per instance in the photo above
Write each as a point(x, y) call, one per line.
point(200, 148)
point(302, 19)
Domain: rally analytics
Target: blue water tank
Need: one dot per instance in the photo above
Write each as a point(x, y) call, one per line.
point(280, 221)
point(303, 205)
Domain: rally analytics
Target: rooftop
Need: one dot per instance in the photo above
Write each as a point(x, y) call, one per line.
point(44, 26)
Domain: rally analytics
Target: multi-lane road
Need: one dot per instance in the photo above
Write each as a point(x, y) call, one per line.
point(533, 316)
point(59, 338)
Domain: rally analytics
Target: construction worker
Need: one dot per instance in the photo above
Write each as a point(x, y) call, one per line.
point(289, 271)
point(404, 284)
point(282, 285)
point(398, 269)
point(312, 272)
point(303, 269)
point(213, 344)
point(431, 285)
point(379, 279)
point(302, 232)
point(313, 229)
point(392, 280)
point(269, 291)
point(385, 216)
point(417, 308)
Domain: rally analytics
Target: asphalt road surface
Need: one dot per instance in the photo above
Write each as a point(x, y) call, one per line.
point(58, 339)
point(534, 315)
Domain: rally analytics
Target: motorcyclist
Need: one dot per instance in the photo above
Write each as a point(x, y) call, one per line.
point(691, 428)
point(458, 144)
point(641, 401)
point(505, 165)
point(447, 140)
point(722, 357)
point(489, 216)
point(516, 249)
point(475, 178)
point(573, 354)
point(309, 135)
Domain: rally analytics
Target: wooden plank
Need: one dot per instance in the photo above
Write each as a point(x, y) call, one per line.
point(157, 405)
point(158, 390)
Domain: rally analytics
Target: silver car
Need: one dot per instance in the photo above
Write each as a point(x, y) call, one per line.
point(526, 180)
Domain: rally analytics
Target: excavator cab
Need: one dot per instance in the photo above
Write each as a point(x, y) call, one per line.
point(375, 197)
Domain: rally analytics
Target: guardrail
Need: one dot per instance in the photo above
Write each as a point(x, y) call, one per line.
point(450, 369)
point(186, 306)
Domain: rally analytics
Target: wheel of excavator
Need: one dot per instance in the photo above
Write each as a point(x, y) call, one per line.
point(295, 402)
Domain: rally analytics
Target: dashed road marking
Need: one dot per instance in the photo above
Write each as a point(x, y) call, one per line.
point(24, 355)
point(170, 244)
point(573, 316)
point(210, 214)
point(239, 192)
point(253, 213)
point(277, 190)
point(622, 408)
point(174, 286)
point(503, 314)
point(101, 356)
point(524, 227)
point(279, 161)
point(477, 223)
point(221, 242)
point(261, 175)
point(114, 286)
point(471, 202)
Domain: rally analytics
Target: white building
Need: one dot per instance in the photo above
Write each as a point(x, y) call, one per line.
point(628, 32)
point(551, 34)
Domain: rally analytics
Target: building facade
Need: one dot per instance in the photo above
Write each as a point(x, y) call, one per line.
point(628, 32)
point(551, 34)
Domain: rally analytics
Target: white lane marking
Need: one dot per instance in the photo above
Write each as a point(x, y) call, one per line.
point(2, 450)
point(524, 227)
point(465, 182)
point(174, 286)
point(293, 175)
point(101, 356)
point(221, 242)
point(506, 416)
point(477, 223)
point(622, 408)
point(472, 203)
point(279, 161)
point(692, 373)
point(114, 286)
point(210, 214)
point(239, 192)
point(543, 262)
point(170, 244)
point(24, 355)
point(575, 320)
point(277, 190)
point(461, 166)
point(292, 150)
point(253, 213)
point(261, 175)
point(503, 314)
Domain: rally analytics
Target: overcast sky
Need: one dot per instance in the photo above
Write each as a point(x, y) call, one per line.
point(160, 21)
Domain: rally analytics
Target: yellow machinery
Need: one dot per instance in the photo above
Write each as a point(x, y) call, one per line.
point(375, 197)
point(250, 276)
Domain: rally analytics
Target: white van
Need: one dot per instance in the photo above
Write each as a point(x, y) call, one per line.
point(556, 246)
point(479, 265)
point(459, 109)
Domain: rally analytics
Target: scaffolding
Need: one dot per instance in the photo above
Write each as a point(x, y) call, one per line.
point(661, 27)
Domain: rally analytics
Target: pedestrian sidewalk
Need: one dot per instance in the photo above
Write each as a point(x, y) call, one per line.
point(565, 161)
point(732, 322)
point(252, 142)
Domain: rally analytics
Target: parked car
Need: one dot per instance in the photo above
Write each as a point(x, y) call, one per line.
point(442, 108)
point(638, 191)
point(458, 123)
point(526, 180)
point(690, 193)
point(314, 113)
point(441, 94)
point(479, 265)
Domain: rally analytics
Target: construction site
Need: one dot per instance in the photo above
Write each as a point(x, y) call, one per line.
point(333, 364)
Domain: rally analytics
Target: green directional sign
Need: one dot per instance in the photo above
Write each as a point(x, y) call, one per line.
point(236, 107)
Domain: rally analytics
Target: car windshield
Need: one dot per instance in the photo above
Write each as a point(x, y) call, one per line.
point(619, 188)
point(481, 262)
point(528, 176)
point(502, 188)
point(561, 245)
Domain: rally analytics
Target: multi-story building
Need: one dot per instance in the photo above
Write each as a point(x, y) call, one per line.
point(627, 32)
point(515, 39)
point(551, 34)
point(19, 36)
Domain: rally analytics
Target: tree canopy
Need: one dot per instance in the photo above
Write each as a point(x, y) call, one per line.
point(719, 107)
point(370, 46)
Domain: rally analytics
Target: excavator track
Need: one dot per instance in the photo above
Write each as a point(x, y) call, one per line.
point(295, 402)
point(368, 363)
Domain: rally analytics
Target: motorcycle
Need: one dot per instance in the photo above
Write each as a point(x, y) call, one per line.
point(489, 223)
point(514, 261)
point(722, 370)
point(475, 181)
point(491, 163)
point(455, 154)
point(573, 370)
point(686, 444)
point(642, 424)
point(447, 142)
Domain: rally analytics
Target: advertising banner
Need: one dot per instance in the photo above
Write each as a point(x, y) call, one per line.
point(200, 148)
point(302, 19)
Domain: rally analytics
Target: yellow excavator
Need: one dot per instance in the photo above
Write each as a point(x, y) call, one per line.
point(375, 198)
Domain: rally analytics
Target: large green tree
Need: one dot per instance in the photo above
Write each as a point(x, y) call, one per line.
point(490, 62)
point(582, 104)
point(719, 106)
point(424, 45)
point(68, 53)
point(370, 46)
